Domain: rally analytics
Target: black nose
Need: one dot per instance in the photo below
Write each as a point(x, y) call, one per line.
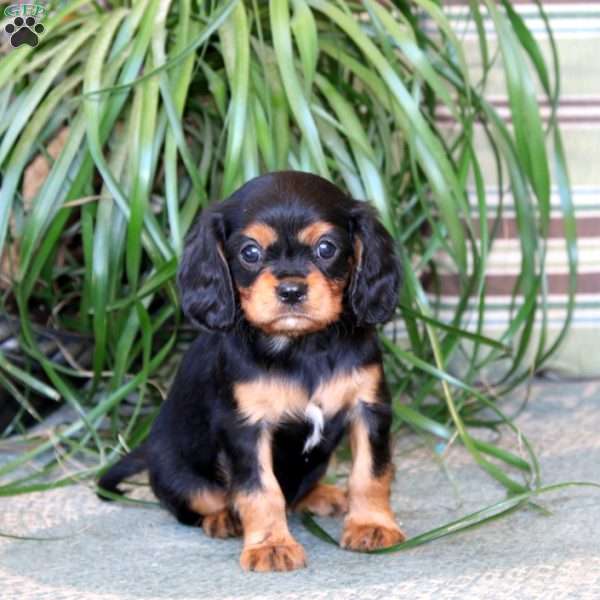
point(291, 292)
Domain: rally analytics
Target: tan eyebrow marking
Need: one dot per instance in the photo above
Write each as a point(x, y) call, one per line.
point(262, 233)
point(311, 234)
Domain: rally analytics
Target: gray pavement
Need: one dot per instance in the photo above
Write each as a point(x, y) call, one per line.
point(111, 551)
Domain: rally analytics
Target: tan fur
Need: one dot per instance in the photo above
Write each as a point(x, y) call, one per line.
point(312, 233)
point(206, 502)
point(361, 536)
point(276, 398)
point(370, 522)
point(263, 309)
point(273, 557)
point(259, 301)
point(347, 389)
point(262, 233)
point(325, 298)
point(324, 500)
point(222, 524)
point(269, 399)
point(268, 544)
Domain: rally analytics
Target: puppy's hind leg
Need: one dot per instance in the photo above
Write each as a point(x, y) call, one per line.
point(222, 524)
point(195, 499)
point(324, 500)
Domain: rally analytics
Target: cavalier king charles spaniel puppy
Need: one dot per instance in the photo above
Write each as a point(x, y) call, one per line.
point(287, 279)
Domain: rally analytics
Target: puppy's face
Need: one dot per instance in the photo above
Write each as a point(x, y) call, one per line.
point(290, 273)
point(292, 252)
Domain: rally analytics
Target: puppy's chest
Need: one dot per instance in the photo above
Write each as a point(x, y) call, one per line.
point(275, 398)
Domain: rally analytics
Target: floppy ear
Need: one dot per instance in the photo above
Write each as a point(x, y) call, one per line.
point(204, 279)
point(374, 288)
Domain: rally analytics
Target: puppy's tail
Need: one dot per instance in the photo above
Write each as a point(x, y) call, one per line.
point(129, 465)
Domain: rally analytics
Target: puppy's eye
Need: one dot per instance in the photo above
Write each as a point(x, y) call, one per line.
point(326, 249)
point(250, 253)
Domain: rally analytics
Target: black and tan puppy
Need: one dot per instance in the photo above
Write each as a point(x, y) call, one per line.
point(288, 278)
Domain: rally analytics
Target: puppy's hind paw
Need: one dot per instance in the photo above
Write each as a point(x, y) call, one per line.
point(325, 500)
point(222, 524)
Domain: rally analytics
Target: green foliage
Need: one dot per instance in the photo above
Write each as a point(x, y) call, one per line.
point(171, 105)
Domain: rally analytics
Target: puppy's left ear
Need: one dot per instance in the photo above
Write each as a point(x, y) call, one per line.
point(204, 279)
point(375, 283)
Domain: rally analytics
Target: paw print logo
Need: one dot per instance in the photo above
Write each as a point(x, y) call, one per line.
point(24, 31)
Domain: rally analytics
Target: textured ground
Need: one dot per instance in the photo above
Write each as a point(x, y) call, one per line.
point(114, 552)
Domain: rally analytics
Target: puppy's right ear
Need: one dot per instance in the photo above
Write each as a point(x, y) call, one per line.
point(204, 279)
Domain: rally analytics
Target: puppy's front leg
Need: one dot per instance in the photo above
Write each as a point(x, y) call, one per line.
point(268, 544)
point(370, 522)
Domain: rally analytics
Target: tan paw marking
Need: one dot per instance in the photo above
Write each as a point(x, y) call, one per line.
point(366, 536)
point(324, 500)
point(273, 557)
point(222, 524)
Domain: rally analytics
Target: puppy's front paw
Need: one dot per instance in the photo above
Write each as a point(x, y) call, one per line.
point(370, 536)
point(222, 524)
point(273, 557)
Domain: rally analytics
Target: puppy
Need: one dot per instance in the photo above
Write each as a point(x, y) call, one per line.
point(287, 278)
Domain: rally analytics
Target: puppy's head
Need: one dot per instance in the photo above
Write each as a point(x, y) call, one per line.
point(292, 253)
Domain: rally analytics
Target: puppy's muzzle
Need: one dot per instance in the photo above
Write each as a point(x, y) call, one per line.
point(291, 292)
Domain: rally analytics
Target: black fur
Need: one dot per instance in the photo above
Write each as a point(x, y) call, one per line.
point(204, 280)
point(129, 465)
point(376, 280)
point(198, 441)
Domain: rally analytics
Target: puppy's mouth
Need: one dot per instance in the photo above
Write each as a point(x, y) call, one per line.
point(292, 317)
point(293, 322)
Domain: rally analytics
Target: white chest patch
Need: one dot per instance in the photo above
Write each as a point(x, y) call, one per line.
point(277, 343)
point(314, 415)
